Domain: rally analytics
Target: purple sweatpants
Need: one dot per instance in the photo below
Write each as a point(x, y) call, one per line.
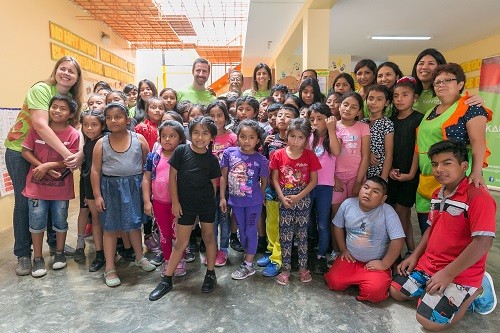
point(247, 219)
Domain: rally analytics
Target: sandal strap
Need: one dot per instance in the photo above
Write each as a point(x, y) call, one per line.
point(109, 272)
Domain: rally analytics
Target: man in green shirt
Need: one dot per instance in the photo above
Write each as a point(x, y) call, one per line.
point(197, 93)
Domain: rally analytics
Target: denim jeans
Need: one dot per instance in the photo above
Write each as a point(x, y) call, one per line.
point(321, 201)
point(222, 220)
point(18, 168)
point(39, 212)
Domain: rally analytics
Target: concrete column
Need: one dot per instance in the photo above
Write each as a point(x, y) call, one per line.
point(315, 33)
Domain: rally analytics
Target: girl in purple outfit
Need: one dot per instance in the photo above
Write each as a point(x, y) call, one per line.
point(245, 172)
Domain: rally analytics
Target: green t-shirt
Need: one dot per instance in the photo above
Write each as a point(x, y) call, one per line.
point(426, 101)
point(196, 96)
point(37, 98)
point(258, 94)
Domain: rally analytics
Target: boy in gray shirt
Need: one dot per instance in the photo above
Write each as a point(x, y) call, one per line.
point(370, 237)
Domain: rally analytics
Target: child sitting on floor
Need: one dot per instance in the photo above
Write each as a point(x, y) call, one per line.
point(446, 272)
point(370, 238)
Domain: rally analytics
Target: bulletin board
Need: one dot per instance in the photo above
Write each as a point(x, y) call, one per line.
point(7, 119)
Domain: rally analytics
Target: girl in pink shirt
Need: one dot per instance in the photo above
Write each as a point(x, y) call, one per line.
point(325, 145)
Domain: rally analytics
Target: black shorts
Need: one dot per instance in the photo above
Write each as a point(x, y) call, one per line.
point(190, 219)
point(89, 195)
point(402, 193)
point(82, 194)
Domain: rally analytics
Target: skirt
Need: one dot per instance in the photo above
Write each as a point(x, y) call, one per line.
point(123, 201)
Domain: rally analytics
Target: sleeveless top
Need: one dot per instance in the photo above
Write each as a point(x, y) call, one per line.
point(127, 163)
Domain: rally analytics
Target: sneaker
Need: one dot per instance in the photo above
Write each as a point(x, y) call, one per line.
point(202, 247)
point(221, 258)
point(208, 283)
point(151, 244)
point(145, 265)
point(320, 266)
point(157, 259)
point(193, 245)
point(487, 301)
point(97, 264)
point(272, 269)
point(59, 261)
point(243, 272)
point(189, 255)
point(68, 250)
point(23, 266)
point(180, 270)
point(38, 268)
point(128, 254)
point(79, 254)
point(235, 244)
point(88, 230)
point(334, 256)
point(265, 260)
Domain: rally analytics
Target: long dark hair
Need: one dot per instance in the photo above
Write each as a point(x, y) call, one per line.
point(140, 107)
point(324, 110)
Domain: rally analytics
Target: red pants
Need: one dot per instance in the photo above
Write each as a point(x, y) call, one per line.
point(165, 223)
point(373, 285)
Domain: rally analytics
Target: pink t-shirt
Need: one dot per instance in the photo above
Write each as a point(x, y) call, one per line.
point(222, 142)
point(49, 188)
point(294, 173)
point(327, 161)
point(350, 155)
point(160, 188)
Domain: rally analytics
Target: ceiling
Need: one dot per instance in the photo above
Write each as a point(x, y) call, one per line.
point(451, 23)
point(213, 28)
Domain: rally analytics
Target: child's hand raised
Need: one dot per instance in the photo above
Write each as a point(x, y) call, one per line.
point(331, 123)
point(346, 255)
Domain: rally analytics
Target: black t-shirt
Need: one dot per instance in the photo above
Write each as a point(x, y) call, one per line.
point(194, 174)
point(404, 140)
point(88, 150)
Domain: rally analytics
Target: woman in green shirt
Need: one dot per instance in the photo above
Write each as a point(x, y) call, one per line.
point(262, 79)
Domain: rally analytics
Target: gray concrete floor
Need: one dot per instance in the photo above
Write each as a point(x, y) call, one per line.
point(74, 300)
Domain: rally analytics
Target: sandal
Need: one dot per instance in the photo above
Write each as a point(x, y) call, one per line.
point(305, 276)
point(283, 279)
point(145, 265)
point(112, 282)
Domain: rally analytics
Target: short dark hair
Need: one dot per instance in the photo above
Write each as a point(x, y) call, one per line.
point(274, 107)
point(380, 88)
point(457, 148)
point(290, 107)
point(200, 61)
point(379, 180)
point(309, 70)
point(279, 87)
point(451, 68)
point(300, 124)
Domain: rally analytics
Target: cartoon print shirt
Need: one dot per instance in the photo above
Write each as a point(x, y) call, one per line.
point(244, 173)
point(221, 142)
point(294, 173)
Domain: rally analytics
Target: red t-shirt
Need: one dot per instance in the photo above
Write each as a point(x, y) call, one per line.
point(294, 173)
point(149, 130)
point(49, 188)
point(454, 220)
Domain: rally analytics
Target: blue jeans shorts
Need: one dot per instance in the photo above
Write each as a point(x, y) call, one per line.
point(39, 211)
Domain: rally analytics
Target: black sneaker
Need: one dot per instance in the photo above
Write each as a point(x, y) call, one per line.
point(161, 289)
point(320, 267)
point(97, 264)
point(59, 261)
point(202, 246)
point(79, 255)
point(129, 255)
point(235, 244)
point(38, 268)
point(209, 283)
point(157, 259)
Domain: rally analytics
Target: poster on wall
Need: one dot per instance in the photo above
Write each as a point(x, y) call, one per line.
point(489, 89)
point(7, 118)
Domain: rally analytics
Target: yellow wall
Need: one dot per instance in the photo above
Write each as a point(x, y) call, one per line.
point(25, 53)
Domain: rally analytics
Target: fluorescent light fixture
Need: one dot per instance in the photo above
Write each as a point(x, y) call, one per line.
point(401, 37)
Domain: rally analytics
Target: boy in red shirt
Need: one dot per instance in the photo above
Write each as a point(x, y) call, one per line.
point(446, 272)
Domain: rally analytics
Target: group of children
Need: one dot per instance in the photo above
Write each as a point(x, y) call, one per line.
point(270, 163)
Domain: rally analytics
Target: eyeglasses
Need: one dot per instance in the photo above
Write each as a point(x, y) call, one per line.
point(444, 82)
point(235, 79)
